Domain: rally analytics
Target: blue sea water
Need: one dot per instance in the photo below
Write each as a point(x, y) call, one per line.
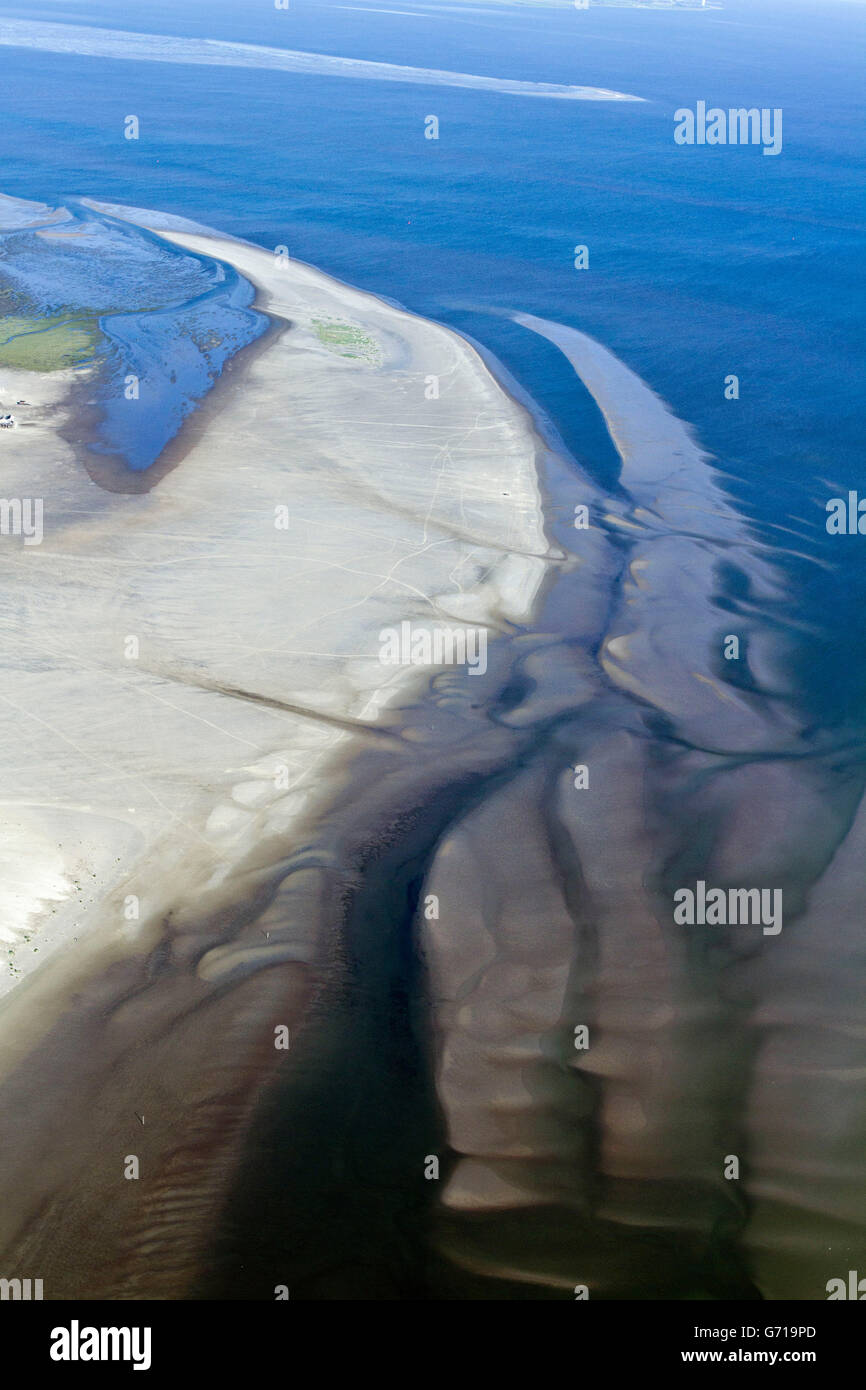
point(169, 319)
point(703, 262)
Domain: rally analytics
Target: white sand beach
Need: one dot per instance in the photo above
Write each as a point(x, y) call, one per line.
point(224, 815)
point(323, 498)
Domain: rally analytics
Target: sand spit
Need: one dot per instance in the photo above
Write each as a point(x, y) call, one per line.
point(170, 48)
point(462, 906)
point(600, 1068)
point(189, 676)
point(18, 212)
point(327, 500)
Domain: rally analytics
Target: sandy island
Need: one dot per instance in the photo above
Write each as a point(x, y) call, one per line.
point(327, 498)
point(197, 726)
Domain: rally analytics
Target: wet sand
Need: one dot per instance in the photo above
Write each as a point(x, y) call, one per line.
point(446, 903)
point(188, 685)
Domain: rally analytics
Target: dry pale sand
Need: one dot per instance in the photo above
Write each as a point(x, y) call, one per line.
point(139, 773)
point(441, 814)
point(190, 674)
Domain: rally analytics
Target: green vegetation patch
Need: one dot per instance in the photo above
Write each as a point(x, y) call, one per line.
point(47, 344)
point(348, 340)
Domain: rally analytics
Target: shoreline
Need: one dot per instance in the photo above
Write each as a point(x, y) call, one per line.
point(307, 911)
point(516, 544)
point(115, 476)
point(521, 398)
point(241, 885)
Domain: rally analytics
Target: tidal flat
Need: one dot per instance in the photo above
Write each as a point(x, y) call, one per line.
point(453, 891)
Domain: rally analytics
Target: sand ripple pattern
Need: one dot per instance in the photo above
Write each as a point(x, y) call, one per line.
point(451, 1034)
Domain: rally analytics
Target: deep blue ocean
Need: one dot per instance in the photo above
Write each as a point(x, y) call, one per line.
point(703, 262)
